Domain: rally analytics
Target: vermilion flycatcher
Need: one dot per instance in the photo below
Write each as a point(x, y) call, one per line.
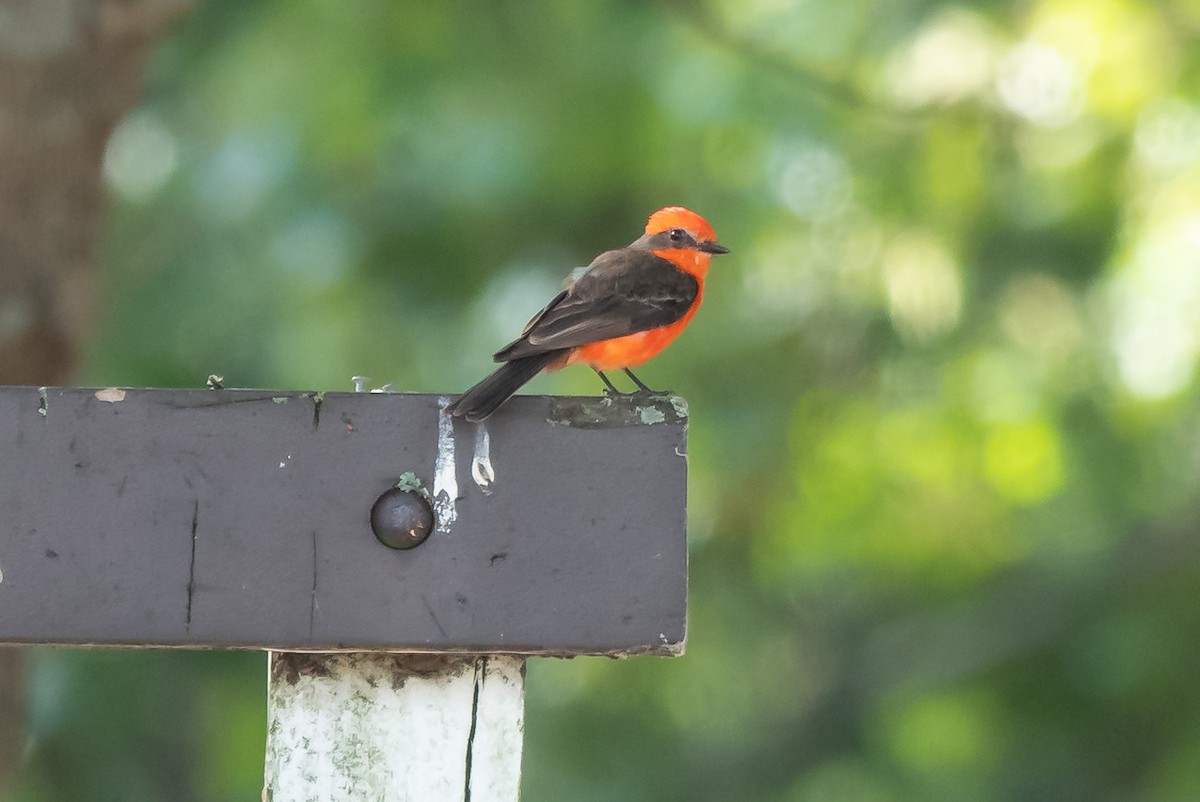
point(626, 307)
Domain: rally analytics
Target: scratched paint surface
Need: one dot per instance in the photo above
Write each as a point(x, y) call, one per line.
point(240, 519)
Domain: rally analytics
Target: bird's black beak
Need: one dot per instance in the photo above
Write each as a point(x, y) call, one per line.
point(712, 247)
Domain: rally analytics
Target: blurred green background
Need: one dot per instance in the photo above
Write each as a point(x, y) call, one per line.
point(945, 436)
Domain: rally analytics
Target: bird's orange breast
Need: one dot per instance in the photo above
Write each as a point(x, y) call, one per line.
point(632, 350)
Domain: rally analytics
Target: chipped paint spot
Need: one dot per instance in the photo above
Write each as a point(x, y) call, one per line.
point(1, 575)
point(445, 472)
point(43, 402)
point(279, 399)
point(481, 465)
point(110, 395)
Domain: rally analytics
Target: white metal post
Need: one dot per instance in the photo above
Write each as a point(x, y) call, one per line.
point(403, 727)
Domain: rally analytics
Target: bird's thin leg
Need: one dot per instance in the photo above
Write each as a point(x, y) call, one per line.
point(612, 388)
point(642, 386)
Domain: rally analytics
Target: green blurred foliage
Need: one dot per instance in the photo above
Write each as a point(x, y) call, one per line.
point(944, 452)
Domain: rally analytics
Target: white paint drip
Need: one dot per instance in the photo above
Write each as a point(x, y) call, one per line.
point(445, 472)
point(481, 466)
point(360, 383)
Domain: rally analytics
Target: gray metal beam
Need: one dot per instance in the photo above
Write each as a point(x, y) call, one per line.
point(241, 519)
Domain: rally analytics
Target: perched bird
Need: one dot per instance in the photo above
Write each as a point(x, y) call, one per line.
point(628, 305)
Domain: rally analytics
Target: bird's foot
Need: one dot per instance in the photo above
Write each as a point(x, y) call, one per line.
point(643, 389)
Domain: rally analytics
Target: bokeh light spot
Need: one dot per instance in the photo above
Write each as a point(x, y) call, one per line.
point(317, 247)
point(139, 156)
point(1156, 349)
point(941, 733)
point(811, 180)
point(1156, 309)
point(950, 59)
point(1167, 136)
point(1040, 84)
point(1023, 461)
point(1039, 314)
point(924, 292)
point(242, 171)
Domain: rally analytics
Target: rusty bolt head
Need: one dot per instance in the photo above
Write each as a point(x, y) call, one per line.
point(401, 518)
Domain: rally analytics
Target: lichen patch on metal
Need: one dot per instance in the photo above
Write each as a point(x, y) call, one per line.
point(651, 415)
point(611, 412)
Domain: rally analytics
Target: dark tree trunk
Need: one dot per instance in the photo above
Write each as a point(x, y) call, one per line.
point(69, 69)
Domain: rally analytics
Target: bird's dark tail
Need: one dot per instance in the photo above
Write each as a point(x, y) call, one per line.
point(486, 397)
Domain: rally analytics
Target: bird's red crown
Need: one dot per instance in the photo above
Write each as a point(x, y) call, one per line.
point(679, 217)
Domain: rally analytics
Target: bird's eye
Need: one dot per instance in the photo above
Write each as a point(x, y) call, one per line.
point(677, 235)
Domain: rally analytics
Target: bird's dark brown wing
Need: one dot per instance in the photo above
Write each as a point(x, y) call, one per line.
point(623, 292)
